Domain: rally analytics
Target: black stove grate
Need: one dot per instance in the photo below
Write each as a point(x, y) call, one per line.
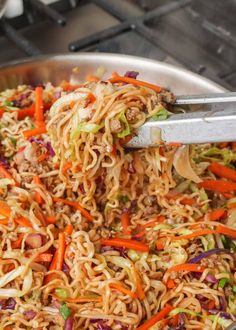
point(197, 34)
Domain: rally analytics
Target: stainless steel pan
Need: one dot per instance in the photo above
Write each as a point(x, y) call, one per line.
point(59, 67)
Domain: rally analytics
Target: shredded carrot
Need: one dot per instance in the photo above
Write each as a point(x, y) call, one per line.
point(160, 244)
point(175, 144)
point(42, 157)
point(121, 288)
point(26, 112)
point(175, 321)
point(194, 234)
point(1, 112)
point(218, 185)
point(185, 200)
point(4, 173)
point(66, 86)
point(226, 231)
point(38, 197)
point(66, 167)
point(139, 289)
point(35, 131)
point(223, 145)
point(23, 222)
point(211, 304)
point(91, 78)
point(91, 98)
point(186, 268)
point(5, 209)
point(152, 223)
point(170, 283)
point(39, 117)
point(127, 243)
point(125, 222)
point(44, 257)
point(114, 149)
point(76, 205)
point(51, 219)
point(17, 243)
point(154, 319)
point(58, 257)
point(135, 82)
point(222, 171)
point(216, 214)
point(231, 206)
point(4, 221)
point(68, 229)
point(228, 195)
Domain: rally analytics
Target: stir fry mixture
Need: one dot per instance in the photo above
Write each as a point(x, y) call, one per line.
point(95, 236)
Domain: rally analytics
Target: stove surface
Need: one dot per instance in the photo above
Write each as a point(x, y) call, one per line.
point(199, 34)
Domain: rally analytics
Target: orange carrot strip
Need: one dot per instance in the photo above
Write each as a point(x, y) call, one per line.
point(135, 82)
point(44, 257)
point(228, 195)
point(26, 112)
point(1, 112)
point(61, 250)
point(160, 244)
point(211, 304)
point(23, 222)
point(154, 319)
point(4, 221)
point(223, 145)
point(5, 173)
point(185, 201)
point(51, 219)
point(170, 283)
point(17, 243)
point(39, 117)
point(42, 157)
point(226, 231)
point(38, 197)
point(127, 243)
point(121, 288)
point(5, 209)
point(222, 171)
point(91, 98)
point(186, 267)
point(139, 289)
point(216, 214)
point(218, 185)
point(125, 222)
point(175, 144)
point(194, 234)
point(35, 131)
point(91, 78)
point(231, 206)
point(66, 167)
point(76, 205)
point(68, 229)
point(152, 223)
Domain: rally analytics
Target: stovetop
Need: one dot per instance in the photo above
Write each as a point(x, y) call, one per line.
point(197, 34)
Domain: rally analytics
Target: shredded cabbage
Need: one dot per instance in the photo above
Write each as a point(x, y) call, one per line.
point(161, 114)
point(215, 153)
point(126, 130)
point(87, 128)
point(183, 166)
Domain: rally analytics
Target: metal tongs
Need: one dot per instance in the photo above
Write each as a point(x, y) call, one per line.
point(207, 118)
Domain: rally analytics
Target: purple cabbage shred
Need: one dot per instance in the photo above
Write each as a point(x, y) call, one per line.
point(131, 74)
point(47, 145)
point(4, 161)
point(9, 303)
point(68, 324)
point(29, 315)
point(206, 254)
